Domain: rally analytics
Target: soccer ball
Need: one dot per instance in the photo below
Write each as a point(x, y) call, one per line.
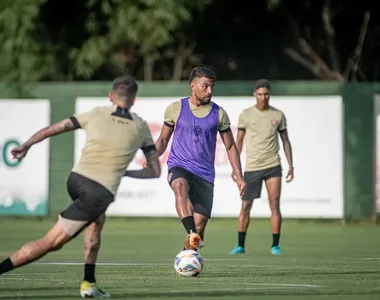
point(188, 263)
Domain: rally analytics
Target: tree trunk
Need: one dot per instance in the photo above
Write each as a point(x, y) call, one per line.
point(178, 67)
point(148, 67)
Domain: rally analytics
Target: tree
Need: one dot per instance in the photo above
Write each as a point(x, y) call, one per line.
point(311, 57)
point(23, 55)
point(120, 30)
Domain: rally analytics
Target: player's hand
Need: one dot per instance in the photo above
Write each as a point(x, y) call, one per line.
point(233, 176)
point(290, 175)
point(241, 185)
point(145, 164)
point(20, 152)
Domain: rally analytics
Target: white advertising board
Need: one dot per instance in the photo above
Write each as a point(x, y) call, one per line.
point(24, 185)
point(315, 131)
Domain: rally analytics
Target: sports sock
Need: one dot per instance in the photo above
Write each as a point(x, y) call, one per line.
point(6, 265)
point(276, 239)
point(89, 273)
point(189, 224)
point(241, 239)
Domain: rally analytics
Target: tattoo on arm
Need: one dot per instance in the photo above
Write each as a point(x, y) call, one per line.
point(57, 128)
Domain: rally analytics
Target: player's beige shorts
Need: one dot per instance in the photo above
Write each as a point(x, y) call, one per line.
point(71, 227)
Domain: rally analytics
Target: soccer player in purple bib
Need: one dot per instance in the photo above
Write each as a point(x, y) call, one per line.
point(194, 123)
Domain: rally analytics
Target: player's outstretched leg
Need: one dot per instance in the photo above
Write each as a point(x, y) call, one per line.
point(32, 251)
point(273, 186)
point(92, 242)
point(185, 212)
point(243, 224)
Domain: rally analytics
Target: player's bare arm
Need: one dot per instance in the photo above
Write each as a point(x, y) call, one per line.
point(239, 145)
point(288, 153)
point(57, 128)
point(164, 138)
point(234, 158)
point(152, 169)
point(54, 129)
point(240, 139)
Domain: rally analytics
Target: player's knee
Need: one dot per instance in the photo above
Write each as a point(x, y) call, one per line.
point(274, 204)
point(56, 248)
point(55, 240)
point(246, 207)
point(180, 188)
point(55, 245)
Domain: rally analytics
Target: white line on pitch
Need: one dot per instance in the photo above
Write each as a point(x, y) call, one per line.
point(29, 279)
point(100, 264)
point(281, 284)
point(150, 263)
point(255, 286)
point(196, 291)
point(167, 260)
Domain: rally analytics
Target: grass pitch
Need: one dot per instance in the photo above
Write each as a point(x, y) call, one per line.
point(320, 261)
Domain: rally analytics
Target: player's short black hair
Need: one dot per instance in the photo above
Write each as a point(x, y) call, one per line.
point(125, 87)
point(262, 83)
point(202, 72)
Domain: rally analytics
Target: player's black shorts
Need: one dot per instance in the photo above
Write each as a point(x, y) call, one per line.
point(90, 201)
point(254, 180)
point(201, 191)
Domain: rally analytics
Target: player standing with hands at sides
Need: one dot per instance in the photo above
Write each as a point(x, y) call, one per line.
point(113, 136)
point(195, 122)
point(260, 125)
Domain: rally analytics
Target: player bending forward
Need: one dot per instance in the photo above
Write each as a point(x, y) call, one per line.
point(114, 135)
point(260, 125)
point(196, 121)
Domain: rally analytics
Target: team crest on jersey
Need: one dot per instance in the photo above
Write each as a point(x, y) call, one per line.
point(274, 122)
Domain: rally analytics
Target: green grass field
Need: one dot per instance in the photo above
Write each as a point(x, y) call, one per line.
point(320, 261)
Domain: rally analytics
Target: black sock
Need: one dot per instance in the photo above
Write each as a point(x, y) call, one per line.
point(89, 273)
point(6, 265)
point(242, 236)
point(276, 239)
point(189, 224)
